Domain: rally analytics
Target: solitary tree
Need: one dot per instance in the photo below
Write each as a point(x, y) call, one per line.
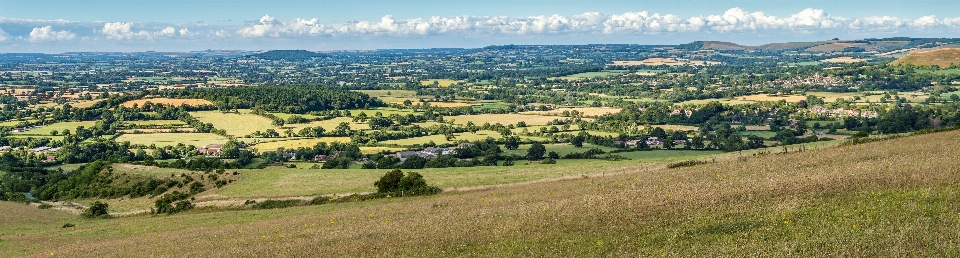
point(536, 151)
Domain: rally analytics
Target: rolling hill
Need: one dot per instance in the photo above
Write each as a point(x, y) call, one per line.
point(898, 197)
point(940, 57)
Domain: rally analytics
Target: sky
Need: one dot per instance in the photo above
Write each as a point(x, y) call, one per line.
point(56, 26)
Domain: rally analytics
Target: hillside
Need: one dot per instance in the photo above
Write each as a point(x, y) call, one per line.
point(940, 57)
point(289, 55)
point(897, 197)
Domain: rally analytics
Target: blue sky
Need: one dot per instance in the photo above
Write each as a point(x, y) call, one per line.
point(178, 25)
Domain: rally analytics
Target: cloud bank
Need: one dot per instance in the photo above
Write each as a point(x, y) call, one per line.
point(732, 23)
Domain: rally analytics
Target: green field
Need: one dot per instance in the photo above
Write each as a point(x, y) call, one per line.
point(390, 93)
point(157, 122)
point(171, 139)
point(504, 119)
point(383, 111)
point(946, 96)
point(59, 127)
point(235, 124)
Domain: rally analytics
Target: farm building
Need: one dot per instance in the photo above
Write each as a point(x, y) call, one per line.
point(211, 150)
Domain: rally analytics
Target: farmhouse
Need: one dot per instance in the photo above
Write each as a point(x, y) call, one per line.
point(211, 150)
point(652, 141)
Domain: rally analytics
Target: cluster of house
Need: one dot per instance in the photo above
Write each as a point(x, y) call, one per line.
point(37, 150)
point(677, 112)
point(432, 152)
point(650, 141)
point(841, 112)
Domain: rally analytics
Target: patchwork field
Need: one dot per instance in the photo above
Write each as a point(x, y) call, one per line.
point(664, 61)
point(171, 139)
point(157, 122)
point(168, 101)
point(591, 75)
point(235, 124)
point(331, 124)
point(440, 139)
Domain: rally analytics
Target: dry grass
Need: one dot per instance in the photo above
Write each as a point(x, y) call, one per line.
point(168, 101)
point(891, 198)
point(939, 57)
point(440, 82)
point(585, 111)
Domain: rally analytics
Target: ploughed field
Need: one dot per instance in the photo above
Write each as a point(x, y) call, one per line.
point(896, 197)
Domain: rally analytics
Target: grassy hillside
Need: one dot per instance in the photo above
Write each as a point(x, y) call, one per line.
point(939, 57)
point(898, 197)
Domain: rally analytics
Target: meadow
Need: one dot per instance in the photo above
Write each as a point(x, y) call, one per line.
point(584, 111)
point(241, 124)
point(294, 144)
point(330, 124)
point(157, 122)
point(897, 197)
point(59, 127)
point(172, 139)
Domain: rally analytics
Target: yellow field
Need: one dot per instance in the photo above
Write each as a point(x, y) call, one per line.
point(236, 124)
point(293, 144)
point(441, 82)
point(584, 111)
point(167, 101)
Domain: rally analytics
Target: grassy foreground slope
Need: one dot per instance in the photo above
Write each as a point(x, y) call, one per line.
point(898, 197)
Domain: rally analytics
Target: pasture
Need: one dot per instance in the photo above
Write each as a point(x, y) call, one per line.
point(330, 124)
point(59, 127)
point(168, 101)
point(584, 111)
point(172, 139)
point(157, 122)
point(504, 119)
point(235, 124)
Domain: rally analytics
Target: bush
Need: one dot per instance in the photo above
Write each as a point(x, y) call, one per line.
point(688, 163)
point(277, 204)
point(389, 182)
point(45, 206)
point(548, 161)
point(97, 210)
point(68, 225)
point(173, 202)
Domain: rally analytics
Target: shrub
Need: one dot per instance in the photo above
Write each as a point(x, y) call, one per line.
point(45, 206)
point(68, 225)
point(688, 163)
point(277, 204)
point(96, 210)
point(389, 182)
point(548, 161)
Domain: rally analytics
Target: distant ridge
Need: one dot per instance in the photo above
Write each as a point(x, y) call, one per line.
point(289, 55)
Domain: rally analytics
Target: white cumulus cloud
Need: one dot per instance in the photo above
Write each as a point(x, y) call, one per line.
point(46, 33)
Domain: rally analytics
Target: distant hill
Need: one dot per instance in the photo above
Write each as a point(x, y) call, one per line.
point(289, 55)
point(940, 57)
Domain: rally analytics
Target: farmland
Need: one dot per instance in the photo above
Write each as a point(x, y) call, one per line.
point(584, 111)
point(235, 124)
point(828, 194)
point(939, 57)
point(440, 82)
point(293, 144)
point(171, 139)
point(48, 129)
